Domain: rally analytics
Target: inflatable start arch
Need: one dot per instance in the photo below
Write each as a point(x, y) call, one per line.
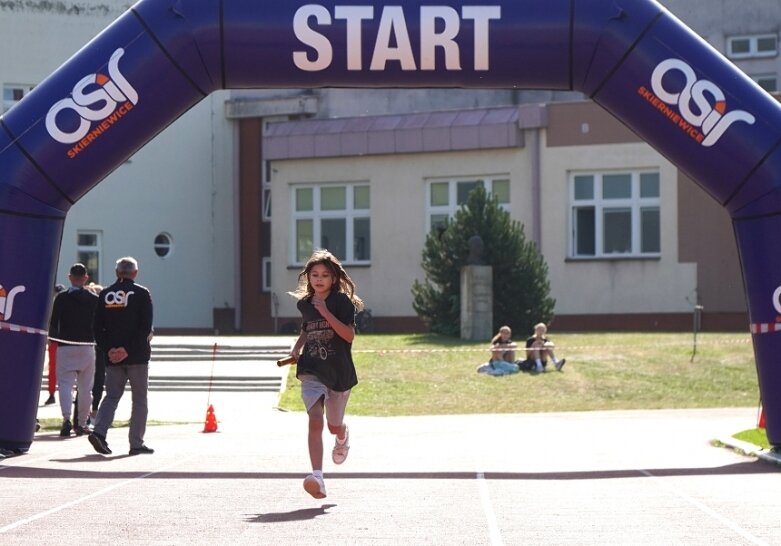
point(161, 57)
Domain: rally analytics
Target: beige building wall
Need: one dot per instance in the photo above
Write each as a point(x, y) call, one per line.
point(612, 286)
point(398, 215)
point(580, 137)
point(707, 238)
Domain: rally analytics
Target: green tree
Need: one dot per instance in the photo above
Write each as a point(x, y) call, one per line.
point(520, 274)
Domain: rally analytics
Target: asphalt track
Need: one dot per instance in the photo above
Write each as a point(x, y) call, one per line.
point(624, 477)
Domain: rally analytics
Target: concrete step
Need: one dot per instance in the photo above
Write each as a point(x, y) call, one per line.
point(177, 353)
point(205, 383)
point(189, 367)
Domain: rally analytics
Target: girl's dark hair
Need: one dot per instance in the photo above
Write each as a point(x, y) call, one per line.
point(342, 281)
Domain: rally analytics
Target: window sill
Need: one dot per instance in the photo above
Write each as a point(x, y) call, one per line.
point(622, 257)
point(344, 264)
point(751, 56)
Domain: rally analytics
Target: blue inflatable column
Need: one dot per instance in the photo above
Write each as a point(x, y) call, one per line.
point(761, 260)
point(26, 287)
point(129, 83)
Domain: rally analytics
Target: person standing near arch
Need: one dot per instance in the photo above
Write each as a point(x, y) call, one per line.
point(71, 323)
point(123, 330)
point(51, 348)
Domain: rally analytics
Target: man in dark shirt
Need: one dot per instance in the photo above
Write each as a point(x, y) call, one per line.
point(71, 325)
point(123, 329)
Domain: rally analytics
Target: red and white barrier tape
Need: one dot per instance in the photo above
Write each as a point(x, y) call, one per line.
point(28, 330)
point(23, 329)
point(765, 327)
point(74, 343)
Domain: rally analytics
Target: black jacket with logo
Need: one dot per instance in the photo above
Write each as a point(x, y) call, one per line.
point(123, 318)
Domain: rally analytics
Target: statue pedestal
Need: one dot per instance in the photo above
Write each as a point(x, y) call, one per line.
point(477, 313)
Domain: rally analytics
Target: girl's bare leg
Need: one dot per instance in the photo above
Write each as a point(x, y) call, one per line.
point(315, 439)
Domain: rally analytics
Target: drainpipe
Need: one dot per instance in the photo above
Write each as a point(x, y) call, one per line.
point(532, 119)
point(536, 159)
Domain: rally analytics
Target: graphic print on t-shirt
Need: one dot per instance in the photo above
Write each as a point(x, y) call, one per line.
point(319, 335)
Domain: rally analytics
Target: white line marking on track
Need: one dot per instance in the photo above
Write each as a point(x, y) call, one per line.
point(485, 499)
point(21, 461)
point(718, 517)
point(40, 515)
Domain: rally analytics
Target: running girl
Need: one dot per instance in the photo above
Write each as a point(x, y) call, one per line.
point(327, 303)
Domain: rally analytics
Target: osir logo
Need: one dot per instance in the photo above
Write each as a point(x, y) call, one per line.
point(702, 107)
point(94, 105)
point(119, 298)
point(7, 301)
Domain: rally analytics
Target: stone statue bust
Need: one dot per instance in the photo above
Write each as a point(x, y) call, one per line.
point(475, 257)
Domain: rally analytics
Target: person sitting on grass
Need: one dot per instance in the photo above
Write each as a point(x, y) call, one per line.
point(539, 348)
point(502, 346)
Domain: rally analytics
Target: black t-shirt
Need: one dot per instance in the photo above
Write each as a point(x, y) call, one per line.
point(326, 355)
point(529, 343)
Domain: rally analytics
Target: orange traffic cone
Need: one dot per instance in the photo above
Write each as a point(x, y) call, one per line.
point(761, 423)
point(211, 420)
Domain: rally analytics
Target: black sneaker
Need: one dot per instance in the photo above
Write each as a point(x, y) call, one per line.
point(143, 450)
point(49, 401)
point(561, 363)
point(99, 443)
point(65, 431)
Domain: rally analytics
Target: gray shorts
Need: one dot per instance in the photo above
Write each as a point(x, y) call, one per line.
point(313, 390)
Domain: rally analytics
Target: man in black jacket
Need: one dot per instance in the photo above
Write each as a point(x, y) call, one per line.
point(71, 325)
point(123, 329)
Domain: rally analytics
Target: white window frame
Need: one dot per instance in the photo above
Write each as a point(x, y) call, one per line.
point(452, 206)
point(97, 249)
point(760, 78)
point(349, 214)
point(24, 88)
point(266, 173)
point(753, 50)
point(265, 268)
point(266, 190)
point(634, 203)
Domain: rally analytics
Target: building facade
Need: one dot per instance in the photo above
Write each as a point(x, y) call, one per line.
point(237, 191)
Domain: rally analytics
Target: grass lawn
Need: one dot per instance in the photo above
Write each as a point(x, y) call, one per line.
point(756, 436)
point(51, 424)
point(425, 374)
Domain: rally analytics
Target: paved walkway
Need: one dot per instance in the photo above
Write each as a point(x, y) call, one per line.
point(625, 477)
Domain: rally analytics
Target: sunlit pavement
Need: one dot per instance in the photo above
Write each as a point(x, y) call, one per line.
point(624, 477)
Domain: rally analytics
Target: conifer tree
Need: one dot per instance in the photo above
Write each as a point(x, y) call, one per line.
point(521, 291)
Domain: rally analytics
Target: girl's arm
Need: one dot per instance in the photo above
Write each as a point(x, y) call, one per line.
point(299, 344)
point(344, 331)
